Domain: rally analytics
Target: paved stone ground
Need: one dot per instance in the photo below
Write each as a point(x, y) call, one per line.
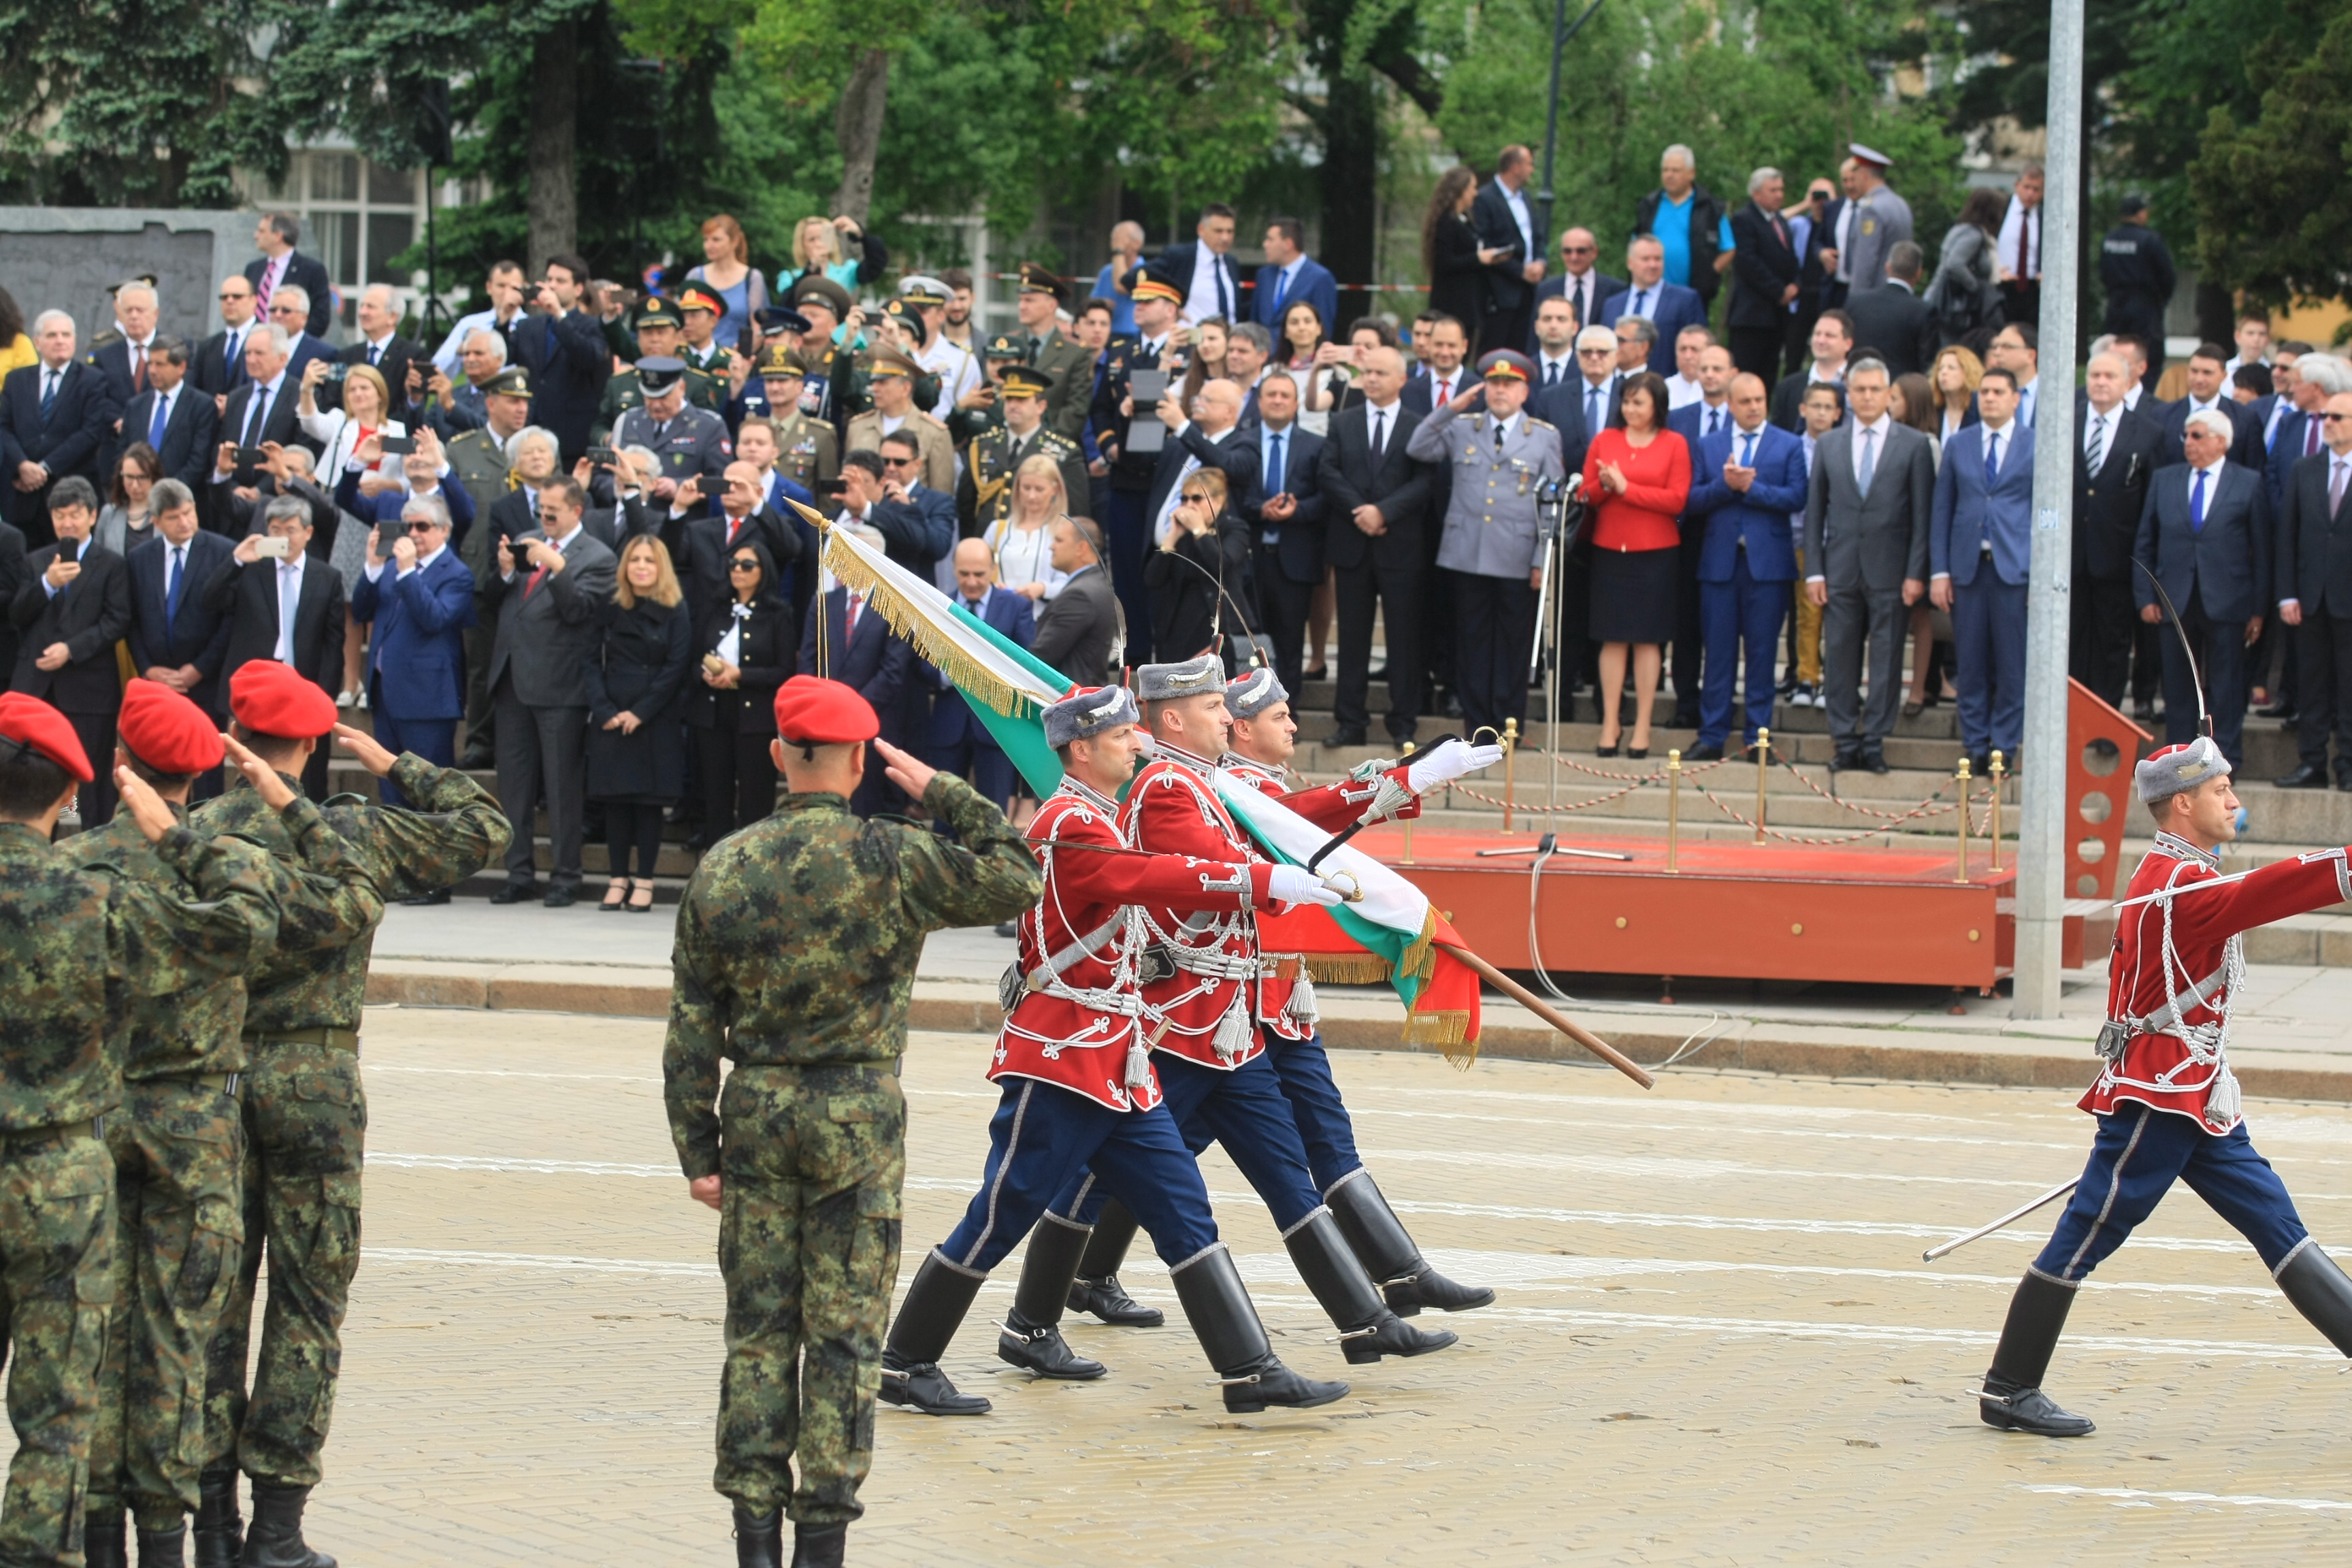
point(1716, 1343)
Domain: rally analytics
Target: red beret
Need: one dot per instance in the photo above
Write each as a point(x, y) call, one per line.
point(32, 722)
point(270, 699)
point(813, 712)
point(167, 731)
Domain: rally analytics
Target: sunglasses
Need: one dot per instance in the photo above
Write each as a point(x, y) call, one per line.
point(1579, 250)
point(898, 462)
point(232, 299)
point(744, 564)
point(2332, 418)
point(423, 527)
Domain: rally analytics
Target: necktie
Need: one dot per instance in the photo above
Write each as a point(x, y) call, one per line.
point(1748, 450)
point(2310, 433)
point(1641, 303)
point(48, 392)
point(2097, 452)
point(1552, 372)
point(2336, 486)
point(1992, 459)
point(1224, 300)
point(1583, 312)
point(734, 527)
point(1032, 352)
point(233, 352)
point(1781, 231)
point(178, 569)
point(162, 418)
point(849, 621)
point(1274, 470)
point(261, 290)
point(1499, 439)
point(1591, 409)
point(1869, 459)
point(375, 355)
point(1281, 288)
point(537, 577)
point(256, 416)
point(1379, 434)
point(138, 367)
point(2197, 504)
point(1714, 420)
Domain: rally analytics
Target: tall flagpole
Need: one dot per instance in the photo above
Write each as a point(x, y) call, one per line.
point(2041, 786)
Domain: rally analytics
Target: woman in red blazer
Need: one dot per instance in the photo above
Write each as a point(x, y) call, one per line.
point(1637, 479)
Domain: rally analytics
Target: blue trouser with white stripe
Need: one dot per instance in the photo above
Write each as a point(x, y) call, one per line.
point(2135, 1160)
point(1245, 1110)
point(1045, 1139)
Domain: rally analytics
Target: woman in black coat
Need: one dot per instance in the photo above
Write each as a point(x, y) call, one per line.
point(636, 690)
point(1204, 547)
point(748, 644)
point(1450, 254)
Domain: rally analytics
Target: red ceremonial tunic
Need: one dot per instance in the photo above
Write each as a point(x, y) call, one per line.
point(2189, 947)
point(1332, 807)
point(1078, 1031)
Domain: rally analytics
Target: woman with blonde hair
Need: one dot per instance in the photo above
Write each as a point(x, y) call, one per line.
point(636, 692)
point(727, 268)
point(365, 412)
point(1021, 540)
point(1954, 376)
point(817, 251)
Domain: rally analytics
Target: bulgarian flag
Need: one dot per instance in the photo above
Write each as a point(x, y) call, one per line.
point(1392, 934)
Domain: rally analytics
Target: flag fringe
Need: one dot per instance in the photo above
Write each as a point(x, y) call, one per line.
point(932, 642)
point(1419, 959)
point(1348, 968)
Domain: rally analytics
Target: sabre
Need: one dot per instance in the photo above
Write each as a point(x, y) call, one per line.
point(2011, 1217)
point(2204, 720)
point(2197, 886)
point(1358, 826)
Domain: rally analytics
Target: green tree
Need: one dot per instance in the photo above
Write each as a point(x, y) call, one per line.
point(2273, 208)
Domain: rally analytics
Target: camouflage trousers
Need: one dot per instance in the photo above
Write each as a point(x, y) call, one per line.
point(177, 1229)
point(305, 1126)
point(812, 1161)
point(57, 1283)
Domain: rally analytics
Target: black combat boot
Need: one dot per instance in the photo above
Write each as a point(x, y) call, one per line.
point(1218, 1307)
point(1386, 1251)
point(2013, 1399)
point(2320, 1293)
point(276, 1538)
point(1031, 1338)
point(102, 1540)
point(934, 1308)
point(1368, 1329)
point(220, 1529)
point(1097, 1290)
point(759, 1541)
point(164, 1548)
point(819, 1545)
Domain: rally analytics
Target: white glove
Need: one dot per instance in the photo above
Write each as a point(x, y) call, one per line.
point(1296, 884)
point(1446, 764)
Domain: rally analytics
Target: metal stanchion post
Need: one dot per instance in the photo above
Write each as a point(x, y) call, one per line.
point(1511, 773)
point(1673, 804)
point(1408, 821)
point(1962, 874)
point(1763, 769)
point(1993, 837)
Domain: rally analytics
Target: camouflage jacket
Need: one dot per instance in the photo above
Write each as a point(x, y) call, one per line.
point(77, 947)
point(459, 831)
point(798, 937)
point(325, 902)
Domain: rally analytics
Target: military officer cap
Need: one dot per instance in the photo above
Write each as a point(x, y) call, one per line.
point(2177, 769)
point(1037, 279)
point(658, 373)
point(1147, 282)
point(924, 288)
point(1863, 155)
point(781, 319)
point(699, 296)
point(778, 359)
point(1506, 365)
point(165, 731)
point(888, 361)
point(1254, 693)
point(908, 316)
point(814, 713)
point(823, 291)
point(659, 312)
point(512, 381)
point(29, 724)
point(1025, 381)
point(1003, 347)
point(1088, 712)
point(1169, 682)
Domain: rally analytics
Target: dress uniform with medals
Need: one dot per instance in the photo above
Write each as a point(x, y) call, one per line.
point(808, 449)
point(955, 364)
point(831, 368)
point(992, 461)
point(691, 442)
point(622, 393)
point(1490, 545)
point(866, 430)
point(909, 321)
point(968, 425)
point(711, 357)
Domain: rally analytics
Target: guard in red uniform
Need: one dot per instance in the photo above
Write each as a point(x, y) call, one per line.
point(1263, 739)
point(1079, 1094)
point(2166, 1099)
point(1202, 982)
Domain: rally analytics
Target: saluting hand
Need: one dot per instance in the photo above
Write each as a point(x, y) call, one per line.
point(259, 773)
point(906, 770)
point(147, 808)
point(371, 751)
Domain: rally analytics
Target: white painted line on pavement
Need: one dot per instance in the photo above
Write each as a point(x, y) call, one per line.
point(445, 1258)
point(2231, 1499)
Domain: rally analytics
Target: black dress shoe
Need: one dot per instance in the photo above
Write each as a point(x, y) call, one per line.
point(438, 896)
point(921, 1385)
point(477, 759)
point(516, 893)
point(561, 897)
point(1704, 755)
point(2275, 711)
point(2310, 775)
point(1845, 760)
point(1041, 1349)
point(1980, 765)
point(1875, 760)
point(1684, 719)
point(1348, 738)
point(2013, 1409)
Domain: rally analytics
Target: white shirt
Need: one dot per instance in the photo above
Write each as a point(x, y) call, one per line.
point(2133, 391)
point(376, 348)
point(445, 356)
point(1024, 556)
point(957, 367)
point(2012, 223)
point(1819, 372)
point(2028, 395)
point(1712, 420)
point(1444, 386)
point(1642, 299)
point(1682, 393)
point(290, 601)
point(1517, 199)
point(2104, 425)
point(266, 395)
point(1200, 300)
point(1877, 447)
point(1550, 371)
point(2003, 438)
point(2230, 368)
point(1580, 290)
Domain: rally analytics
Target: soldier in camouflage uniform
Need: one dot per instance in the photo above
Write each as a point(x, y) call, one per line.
point(176, 1142)
point(658, 325)
point(306, 1114)
point(77, 946)
point(805, 1152)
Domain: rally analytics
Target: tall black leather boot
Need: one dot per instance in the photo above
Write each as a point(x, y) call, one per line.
point(1218, 1307)
point(819, 1545)
point(934, 1308)
point(1031, 1338)
point(164, 1548)
point(1097, 1290)
point(2320, 1293)
point(276, 1538)
point(1368, 1329)
point(1387, 1252)
point(759, 1541)
point(102, 1540)
point(2012, 1398)
point(220, 1527)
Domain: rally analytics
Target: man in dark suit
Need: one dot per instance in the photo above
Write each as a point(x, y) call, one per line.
point(1668, 307)
point(419, 598)
point(121, 355)
point(219, 367)
point(280, 264)
point(1291, 277)
point(2208, 387)
point(1376, 503)
point(1893, 321)
point(176, 419)
point(1694, 422)
point(957, 742)
point(1214, 439)
point(2315, 597)
point(1444, 377)
point(550, 594)
point(564, 348)
point(701, 541)
point(1979, 543)
point(265, 409)
point(2118, 453)
point(1866, 514)
point(423, 472)
point(2205, 533)
point(1506, 222)
point(1079, 628)
point(1811, 229)
point(73, 606)
point(1833, 345)
point(1747, 488)
point(380, 343)
point(286, 605)
point(1285, 517)
point(1202, 270)
point(861, 650)
point(1580, 280)
point(2318, 378)
point(1765, 273)
point(176, 638)
point(1113, 417)
point(56, 418)
point(288, 309)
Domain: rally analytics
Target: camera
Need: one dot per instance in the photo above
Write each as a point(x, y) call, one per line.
point(600, 456)
point(338, 371)
point(397, 446)
point(832, 487)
